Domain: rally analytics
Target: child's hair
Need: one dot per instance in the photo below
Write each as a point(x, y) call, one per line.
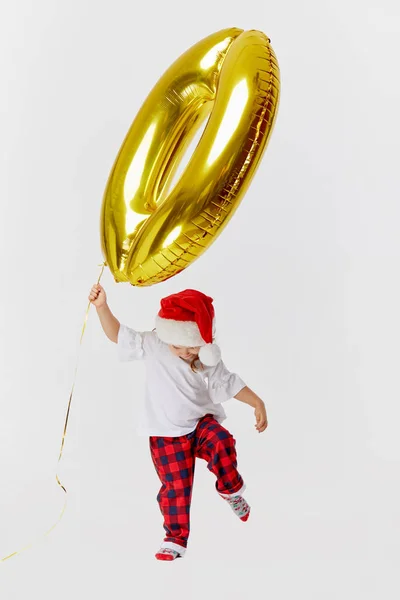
point(193, 364)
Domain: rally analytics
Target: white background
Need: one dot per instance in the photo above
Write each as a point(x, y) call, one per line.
point(306, 285)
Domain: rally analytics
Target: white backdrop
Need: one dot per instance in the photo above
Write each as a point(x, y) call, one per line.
point(305, 281)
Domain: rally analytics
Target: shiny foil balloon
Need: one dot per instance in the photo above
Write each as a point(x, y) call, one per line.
point(150, 233)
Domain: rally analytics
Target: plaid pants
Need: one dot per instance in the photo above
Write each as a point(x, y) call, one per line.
point(174, 460)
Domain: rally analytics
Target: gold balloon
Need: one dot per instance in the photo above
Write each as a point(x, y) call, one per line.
point(149, 233)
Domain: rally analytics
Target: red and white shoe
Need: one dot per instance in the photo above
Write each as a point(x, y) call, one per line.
point(167, 554)
point(239, 506)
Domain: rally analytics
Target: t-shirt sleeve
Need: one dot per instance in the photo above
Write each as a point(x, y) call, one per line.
point(133, 345)
point(222, 384)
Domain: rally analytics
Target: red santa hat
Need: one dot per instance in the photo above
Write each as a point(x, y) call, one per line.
point(188, 319)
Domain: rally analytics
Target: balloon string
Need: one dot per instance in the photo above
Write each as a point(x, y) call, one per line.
point(65, 429)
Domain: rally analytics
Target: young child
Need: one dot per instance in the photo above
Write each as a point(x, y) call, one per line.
point(187, 382)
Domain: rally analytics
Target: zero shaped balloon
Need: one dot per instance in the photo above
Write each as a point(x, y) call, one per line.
point(149, 233)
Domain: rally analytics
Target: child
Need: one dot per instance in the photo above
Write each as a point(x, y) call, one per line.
point(186, 385)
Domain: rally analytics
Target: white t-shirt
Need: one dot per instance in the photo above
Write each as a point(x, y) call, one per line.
point(176, 398)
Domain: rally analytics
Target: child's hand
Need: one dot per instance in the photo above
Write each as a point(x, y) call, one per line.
point(261, 417)
point(98, 296)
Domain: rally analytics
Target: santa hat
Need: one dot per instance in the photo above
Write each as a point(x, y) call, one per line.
point(188, 319)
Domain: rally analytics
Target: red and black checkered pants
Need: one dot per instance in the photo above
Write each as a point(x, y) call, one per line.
point(174, 460)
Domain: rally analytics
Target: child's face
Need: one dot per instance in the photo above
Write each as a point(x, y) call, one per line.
point(184, 352)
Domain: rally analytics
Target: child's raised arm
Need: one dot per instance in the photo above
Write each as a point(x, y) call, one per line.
point(109, 323)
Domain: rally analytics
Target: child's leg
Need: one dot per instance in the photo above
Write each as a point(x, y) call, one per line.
point(174, 461)
point(217, 446)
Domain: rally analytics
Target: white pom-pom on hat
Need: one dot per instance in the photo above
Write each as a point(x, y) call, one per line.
point(210, 355)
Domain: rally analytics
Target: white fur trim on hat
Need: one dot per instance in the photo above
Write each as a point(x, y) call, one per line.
point(179, 333)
